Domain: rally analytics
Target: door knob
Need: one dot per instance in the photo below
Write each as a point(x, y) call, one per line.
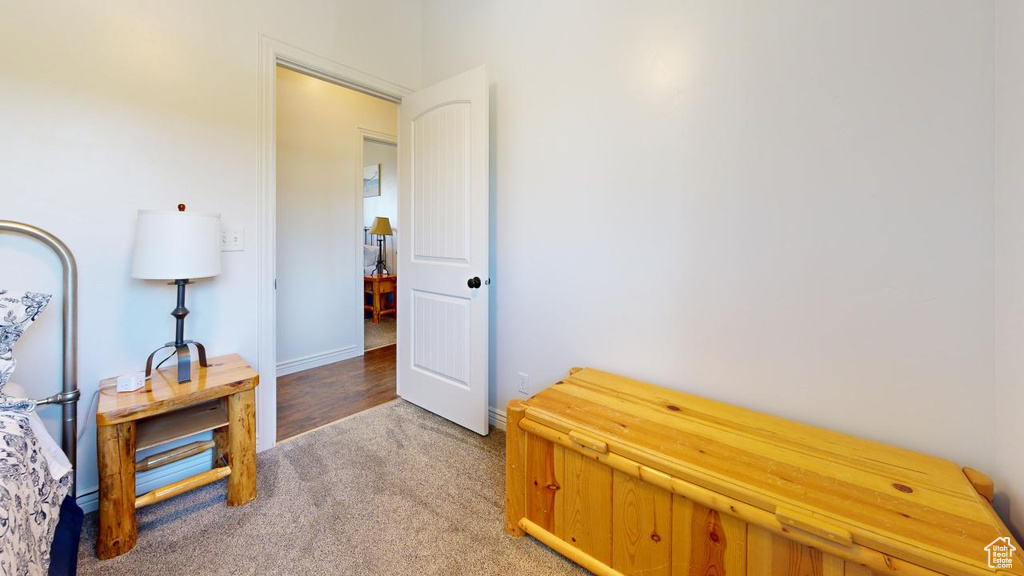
point(474, 282)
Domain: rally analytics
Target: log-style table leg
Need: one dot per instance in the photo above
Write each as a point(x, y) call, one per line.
point(242, 447)
point(115, 448)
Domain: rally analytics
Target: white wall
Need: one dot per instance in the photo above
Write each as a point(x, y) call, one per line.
point(386, 204)
point(319, 185)
point(109, 107)
point(822, 174)
point(1009, 394)
point(819, 176)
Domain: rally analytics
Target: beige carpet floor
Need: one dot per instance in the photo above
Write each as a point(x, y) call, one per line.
point(392, 490)
point(384, 333)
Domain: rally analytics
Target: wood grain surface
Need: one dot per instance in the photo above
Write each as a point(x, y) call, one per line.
point(641, 527)
point(706, 542)
point(242, 447)
point(588, 505)
point(118, 527)
point(162, 393)
point(741, 513)
point(540, 482)
point(515, 470)
point(857, 493)
point(312, 398)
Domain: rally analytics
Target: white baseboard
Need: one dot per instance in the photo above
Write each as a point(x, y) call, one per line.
point(153, 479)
point(317, 360)
point(497, 417)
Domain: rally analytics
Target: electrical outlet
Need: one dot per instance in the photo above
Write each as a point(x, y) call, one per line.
point(131, 382)
point(524, 383)
point(231, 240)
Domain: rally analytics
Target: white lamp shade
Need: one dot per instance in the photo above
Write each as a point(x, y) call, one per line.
point(176, 245)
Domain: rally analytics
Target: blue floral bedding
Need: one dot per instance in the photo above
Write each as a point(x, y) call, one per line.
point(30, 497)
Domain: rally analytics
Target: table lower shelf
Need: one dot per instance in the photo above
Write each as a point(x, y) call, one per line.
point(180, 424)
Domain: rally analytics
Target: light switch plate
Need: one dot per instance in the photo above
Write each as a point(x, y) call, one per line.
point(231, 240)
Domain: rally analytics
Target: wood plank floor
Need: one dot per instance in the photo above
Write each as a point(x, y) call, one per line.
point(312, 398)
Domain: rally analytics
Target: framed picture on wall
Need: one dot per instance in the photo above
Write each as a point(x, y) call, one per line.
point(371, 181)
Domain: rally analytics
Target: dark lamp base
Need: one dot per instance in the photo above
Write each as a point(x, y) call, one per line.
point(180, 345)
point(184, 359)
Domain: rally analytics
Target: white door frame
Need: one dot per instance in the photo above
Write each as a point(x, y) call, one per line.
point(273, 53)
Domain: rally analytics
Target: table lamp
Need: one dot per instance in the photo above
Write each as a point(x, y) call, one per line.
point(381, 228)
point(177, 246)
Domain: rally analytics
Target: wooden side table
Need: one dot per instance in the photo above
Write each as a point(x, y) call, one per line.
point(379, 287)
point(219, 398)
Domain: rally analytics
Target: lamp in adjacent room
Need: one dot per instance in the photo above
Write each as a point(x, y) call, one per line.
point(381, 228)
point(179, 247)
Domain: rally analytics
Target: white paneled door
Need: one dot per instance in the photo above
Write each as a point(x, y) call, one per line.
point(443, 249)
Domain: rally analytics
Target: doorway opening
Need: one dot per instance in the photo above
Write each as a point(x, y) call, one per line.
point(327, 138)
point(380, 262)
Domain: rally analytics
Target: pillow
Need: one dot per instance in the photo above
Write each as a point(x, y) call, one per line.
point(18, 310)
point(369, 255)
point(369, 259)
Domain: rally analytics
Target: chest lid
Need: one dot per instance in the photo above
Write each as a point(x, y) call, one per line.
point(915, 507)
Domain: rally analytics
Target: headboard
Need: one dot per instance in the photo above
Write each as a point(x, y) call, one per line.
point(69, 394)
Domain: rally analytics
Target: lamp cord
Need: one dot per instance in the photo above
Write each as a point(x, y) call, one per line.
point(92, 404)
point(92, 409)
point(96, 395)
point(164, 360)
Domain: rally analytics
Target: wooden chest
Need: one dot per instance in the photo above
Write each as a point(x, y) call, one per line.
point(624, 477)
